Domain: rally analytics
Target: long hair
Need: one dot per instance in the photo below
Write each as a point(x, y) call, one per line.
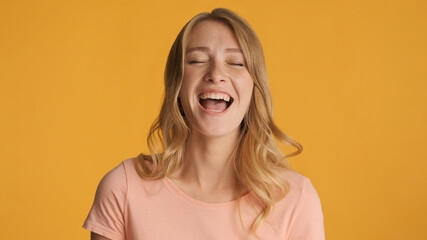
point(258, 162)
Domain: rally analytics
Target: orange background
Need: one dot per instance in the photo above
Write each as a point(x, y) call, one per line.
point(81, 82)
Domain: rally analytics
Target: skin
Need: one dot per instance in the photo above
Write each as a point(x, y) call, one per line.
point(94, 236)
point(214, 62)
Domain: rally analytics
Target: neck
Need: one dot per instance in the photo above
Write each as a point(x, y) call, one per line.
point(208, 164)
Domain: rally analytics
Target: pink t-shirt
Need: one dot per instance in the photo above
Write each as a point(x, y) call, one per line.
point(129, 207)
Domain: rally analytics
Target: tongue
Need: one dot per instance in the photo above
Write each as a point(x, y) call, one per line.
point(211, 104)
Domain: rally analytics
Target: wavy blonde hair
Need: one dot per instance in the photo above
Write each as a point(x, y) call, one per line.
point(258, 162)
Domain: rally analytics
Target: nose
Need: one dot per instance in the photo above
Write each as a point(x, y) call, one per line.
point(215, 73)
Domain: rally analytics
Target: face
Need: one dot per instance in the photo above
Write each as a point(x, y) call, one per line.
point(217, 88)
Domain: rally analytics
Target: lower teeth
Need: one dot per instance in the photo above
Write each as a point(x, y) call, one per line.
point(213, 110)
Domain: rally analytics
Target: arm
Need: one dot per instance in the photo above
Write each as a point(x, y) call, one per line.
point(94, 236)
point(106, 217)
point(307, 222)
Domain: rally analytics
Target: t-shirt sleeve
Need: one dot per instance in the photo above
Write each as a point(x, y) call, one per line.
point(307, 221)
point(106, 216)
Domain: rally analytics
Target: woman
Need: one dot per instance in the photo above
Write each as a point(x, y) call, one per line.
point(215, 171)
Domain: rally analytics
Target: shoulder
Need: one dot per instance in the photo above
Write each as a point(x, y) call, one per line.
point(119, 174)
point(300, 186)
point(124, 179)
point(304, 208)
point(301, 192)
point(116, 179)
point(106, 216)
point(114, 186)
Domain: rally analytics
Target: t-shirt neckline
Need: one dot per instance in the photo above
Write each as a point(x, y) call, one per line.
point(184, 196)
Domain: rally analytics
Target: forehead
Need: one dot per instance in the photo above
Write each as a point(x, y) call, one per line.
point(211, 33)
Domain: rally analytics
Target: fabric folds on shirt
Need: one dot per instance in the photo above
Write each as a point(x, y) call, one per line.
point(129, 207)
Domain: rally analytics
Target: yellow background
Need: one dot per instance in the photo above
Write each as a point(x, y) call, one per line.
point(81, 82)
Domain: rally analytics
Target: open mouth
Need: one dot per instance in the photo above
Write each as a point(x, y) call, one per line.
point(215, 102)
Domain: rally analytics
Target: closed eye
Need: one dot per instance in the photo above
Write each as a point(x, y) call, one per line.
point(237, 64)
point(195, 62)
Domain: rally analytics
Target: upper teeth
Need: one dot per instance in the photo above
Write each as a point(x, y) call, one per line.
point(212, 95)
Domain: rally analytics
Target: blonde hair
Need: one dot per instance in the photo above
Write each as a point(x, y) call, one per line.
point(258, 162)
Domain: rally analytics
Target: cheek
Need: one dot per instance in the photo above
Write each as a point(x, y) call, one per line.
point(191, 73)
point(186, 93)
point(246, 86)
point(188, 82)
point(248, 97)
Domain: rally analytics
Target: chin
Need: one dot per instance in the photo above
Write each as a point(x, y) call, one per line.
point(219, 132)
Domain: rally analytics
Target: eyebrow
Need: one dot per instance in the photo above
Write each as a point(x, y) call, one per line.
point(237, 50)
point(205, 49)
